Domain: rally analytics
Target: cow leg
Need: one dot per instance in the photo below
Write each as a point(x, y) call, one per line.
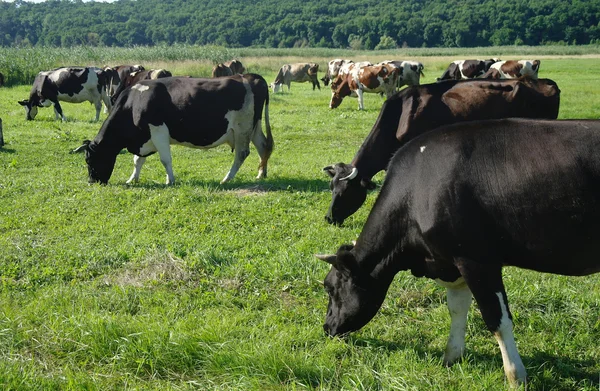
point(260, 142)
point(459, 299)
point(138, 162)
point(485, 281)
point(242, 150)
point(106, 100)
point(361, 104)
point(162, 142)
point(58, 113)
point(98, 106)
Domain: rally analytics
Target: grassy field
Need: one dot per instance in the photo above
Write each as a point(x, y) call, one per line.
point(202, 286)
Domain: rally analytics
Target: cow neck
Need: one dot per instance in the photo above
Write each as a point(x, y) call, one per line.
point(379, 250)
point(107, 141)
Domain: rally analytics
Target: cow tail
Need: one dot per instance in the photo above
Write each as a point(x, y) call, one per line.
point(421, 70)
point(270, 143)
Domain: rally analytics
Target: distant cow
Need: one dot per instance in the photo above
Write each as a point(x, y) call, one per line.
point(410, 72)
point(221, 70)
point(236, 67)
point(359, 79)
point(134, 77)
point(467, 69)
point(114, 75)
point(1, 79)
point(333, 68)
point(418, 109)
point(461, 202)
point(72, 84)
point(198, 113)
point(513, 69)
point(298, 73)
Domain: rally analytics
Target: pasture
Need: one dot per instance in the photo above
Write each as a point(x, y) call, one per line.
point(201, 286)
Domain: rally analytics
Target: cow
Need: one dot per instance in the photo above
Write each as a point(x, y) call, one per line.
point(236, 66)
point(359, 79)
point(114, 75)
point(467, 69)
point(1, 79)
point(418, 109)
point(410, 72)
point(198, 113)
point(333, 68)
point(513, 69)
point(462, 201)
point(299, 73)
point(221, 70)
point(68, 84)
point(134, 77)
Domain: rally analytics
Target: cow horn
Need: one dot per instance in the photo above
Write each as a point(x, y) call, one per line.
point(79, 149)
point(330, 259)
point(327, 168)
point(352, 175)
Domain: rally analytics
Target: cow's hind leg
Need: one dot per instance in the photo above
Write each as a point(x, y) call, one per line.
point(162, 142)
point(263, 145)
point(485, 281)
point(138, 162)
point(98, 106)
point(242, 150)
point(459, 299)
point(58, 113)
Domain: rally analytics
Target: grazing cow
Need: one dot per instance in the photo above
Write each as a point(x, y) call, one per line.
point(221, 70)
point(333, 69)
point(513, 69)
point(359, 79)
point(410, 72)
point(199, 113)
point(73, 85)
point(467, 69)
point(114, 75)
point(1, 79)
point(458, 204)
point(135, 77)
point(416, 110)
point(236, 67)
point(298, 73)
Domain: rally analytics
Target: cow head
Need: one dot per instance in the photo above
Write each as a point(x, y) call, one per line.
point(100, 165)
point(31, 108)
point(354, 296)
point(340, 88)
point(349, 192)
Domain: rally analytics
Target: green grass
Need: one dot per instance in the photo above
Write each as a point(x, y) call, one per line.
point(200, 286)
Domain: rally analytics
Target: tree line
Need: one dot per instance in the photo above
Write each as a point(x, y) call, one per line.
point(357, 24)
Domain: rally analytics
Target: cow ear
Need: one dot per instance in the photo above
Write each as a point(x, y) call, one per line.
point(330, 170)
point(368, 184)
point(410, 116)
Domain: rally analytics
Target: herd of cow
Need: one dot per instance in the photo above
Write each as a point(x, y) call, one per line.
point(480, 174)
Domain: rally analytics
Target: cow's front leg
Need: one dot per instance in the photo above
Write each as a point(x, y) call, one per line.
point(58, 113)
point(361, 103)
point(162, 142)
point(485, 281)
point(138, 162)
point(98, 106)
point(459, 299)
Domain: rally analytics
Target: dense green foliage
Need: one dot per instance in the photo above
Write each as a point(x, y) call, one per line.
point(201, 286)
point(297, 23)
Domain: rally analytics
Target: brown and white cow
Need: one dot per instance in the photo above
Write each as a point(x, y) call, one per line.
point(467, 69)
point(513, 69)
point(409, 72)
point(333, 69)
point(135, 77)
point(299, 73)
point(69, 84)
point(380, 78)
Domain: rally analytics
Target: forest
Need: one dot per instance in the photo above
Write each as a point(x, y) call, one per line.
point(355, 24)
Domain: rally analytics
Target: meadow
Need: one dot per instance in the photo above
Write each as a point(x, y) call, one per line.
point(202, 286)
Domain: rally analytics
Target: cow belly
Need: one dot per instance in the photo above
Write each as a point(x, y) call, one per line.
point(84, 96)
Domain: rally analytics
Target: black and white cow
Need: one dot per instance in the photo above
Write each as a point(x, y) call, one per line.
point(418, 109)
point(114, 75)
point(72, 84)
point(467, 69)
point(198, 113)
point(462, 201)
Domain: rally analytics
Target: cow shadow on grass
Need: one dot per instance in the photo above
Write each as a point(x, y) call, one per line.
point(538, 365)
point(253, 186)
point(7, 150)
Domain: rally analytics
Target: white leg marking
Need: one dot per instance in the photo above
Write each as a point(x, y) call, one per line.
point(161, 139)
point(361, 104)
point(138, 162)
point(459, 301)
point(98, 105)
point(513, 366)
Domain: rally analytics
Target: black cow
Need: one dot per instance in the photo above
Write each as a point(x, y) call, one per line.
point(73, 85)
point(418, 109)
point(1, 79)
point(467, 69)
point(134, 77)
point(114, 75)
point(199, 113)
point(459, 203)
